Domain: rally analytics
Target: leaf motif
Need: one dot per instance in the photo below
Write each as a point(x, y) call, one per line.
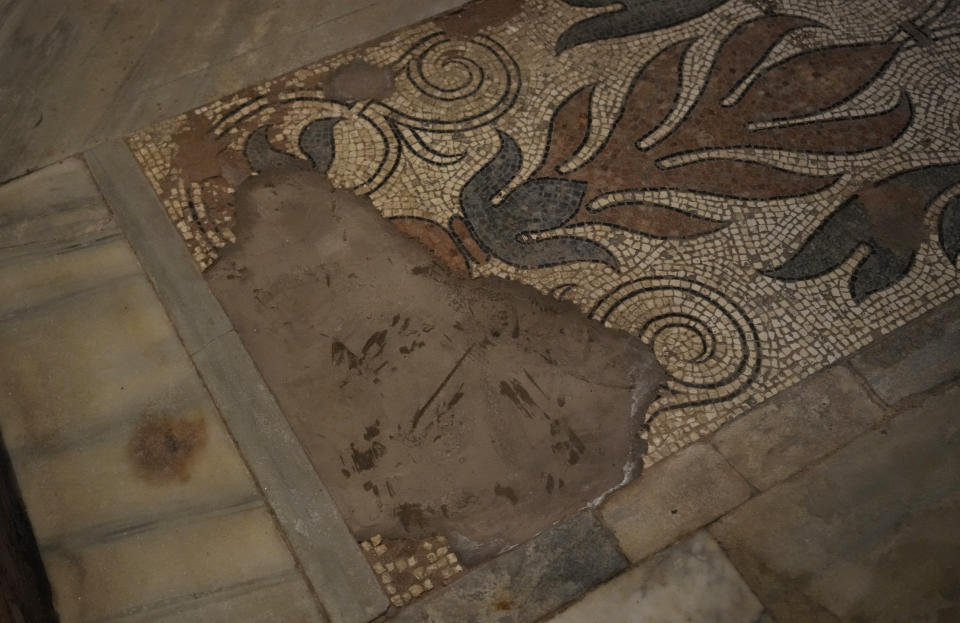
point(840, 136)
point(632, 18)
point(878, 271)
point(316, 141)
point(535, 206)
point(263, 156)
point(950, 230)
point(652, 220)
point(888, 217)
point(817, 80)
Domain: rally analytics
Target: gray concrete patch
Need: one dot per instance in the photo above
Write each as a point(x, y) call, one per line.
point(330, 556)
point(528, 582)
point(870, 534)
point(914, 358)
point(797, 427)
point(690, 581)
point(676, 496)
point(428, 403)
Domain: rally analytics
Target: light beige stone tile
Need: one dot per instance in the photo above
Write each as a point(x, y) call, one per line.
point(56, 203)
point(165, 563)
point(107, 484)
point(797, 427)
point(690, 581)
point(27, 282)
point(282, 601)
point(100, 357)
point(676, 496)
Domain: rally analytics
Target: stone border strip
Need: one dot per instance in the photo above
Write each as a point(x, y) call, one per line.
point(327, 551)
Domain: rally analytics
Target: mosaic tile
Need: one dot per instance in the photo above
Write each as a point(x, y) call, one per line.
point(757, 188)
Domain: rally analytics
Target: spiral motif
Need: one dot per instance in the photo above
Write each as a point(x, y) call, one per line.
point(446, 77)
point(708, 346)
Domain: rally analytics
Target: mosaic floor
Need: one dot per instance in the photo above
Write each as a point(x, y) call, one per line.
point(757, 188)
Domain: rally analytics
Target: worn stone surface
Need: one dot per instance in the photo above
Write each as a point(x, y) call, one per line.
point(359, 81)
point(477, 408)
point(869, 534)
point(914, 358)
point(528, 582)
point(797, 427)
point(75, 76)
point(674, 497)
point(325, 548)
point(690, 581)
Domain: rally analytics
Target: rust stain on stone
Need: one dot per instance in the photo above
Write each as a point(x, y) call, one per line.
point(163, 448)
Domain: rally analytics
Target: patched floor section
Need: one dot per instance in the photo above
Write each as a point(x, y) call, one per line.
point(479, 409)
point(755, 189)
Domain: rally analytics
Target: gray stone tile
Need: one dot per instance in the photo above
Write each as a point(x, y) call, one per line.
point(797, 427)
point(528, 582)
point(869, 534)
point(675, 497)
point(690, 581)
point(916, 357)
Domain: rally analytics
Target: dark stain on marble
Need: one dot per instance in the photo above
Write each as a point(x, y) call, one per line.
point(163, 448)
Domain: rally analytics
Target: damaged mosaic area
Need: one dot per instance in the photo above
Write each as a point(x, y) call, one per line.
point(756, 188)
point(408, 569)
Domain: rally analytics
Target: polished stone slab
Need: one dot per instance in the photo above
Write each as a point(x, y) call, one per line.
point(178, 560)
point(690, 581)
point(915, 358)
point(798, 426)
point(869, 534)
point(673, 498)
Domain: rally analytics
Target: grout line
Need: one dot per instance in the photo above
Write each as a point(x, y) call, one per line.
point(107, 532)
point(865, 385)
point(187, 602)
